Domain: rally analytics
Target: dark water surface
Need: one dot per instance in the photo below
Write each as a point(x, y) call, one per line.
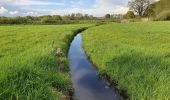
point(86, 82)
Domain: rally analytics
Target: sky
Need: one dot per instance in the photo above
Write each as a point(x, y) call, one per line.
point(62, 7)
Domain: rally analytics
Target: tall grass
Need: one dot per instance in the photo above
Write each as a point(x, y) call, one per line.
point(28, 67)
point(135, 55)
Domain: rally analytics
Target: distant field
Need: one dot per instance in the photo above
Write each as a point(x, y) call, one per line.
point(28, 67)
point(136, 55)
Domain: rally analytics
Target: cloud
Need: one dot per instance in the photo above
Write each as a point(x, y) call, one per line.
point(29, 2)
point(30, 13)
point(92, 11)
point(106, 3)
point(100, 8)
point(111, 6)
point(45, 7)
point(3, 10)
point(13, 12)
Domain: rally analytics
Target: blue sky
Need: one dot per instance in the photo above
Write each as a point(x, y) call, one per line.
point(61, 7)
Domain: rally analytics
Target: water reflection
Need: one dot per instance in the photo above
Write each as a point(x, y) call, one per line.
point(86, 82)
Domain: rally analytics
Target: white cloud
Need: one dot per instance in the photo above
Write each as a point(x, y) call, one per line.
point(101, 8)
point(30, 13)
point(110, 3)
point(27, 7)
point(30, 2)
point(3, 10)
point(93, 11)
point(13, 12)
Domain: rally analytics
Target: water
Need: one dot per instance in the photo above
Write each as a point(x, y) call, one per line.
point(86, 82)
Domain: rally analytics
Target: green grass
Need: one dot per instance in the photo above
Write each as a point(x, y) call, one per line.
point(28, 66)
point(136, 55)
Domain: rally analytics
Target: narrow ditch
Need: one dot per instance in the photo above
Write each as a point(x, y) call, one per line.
point(87, 83)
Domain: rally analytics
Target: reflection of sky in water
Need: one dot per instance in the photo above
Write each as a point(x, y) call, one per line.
point(87, 84)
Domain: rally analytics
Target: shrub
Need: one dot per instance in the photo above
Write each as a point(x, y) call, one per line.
point(164, 15)
point(107, 16)
point(130, 15)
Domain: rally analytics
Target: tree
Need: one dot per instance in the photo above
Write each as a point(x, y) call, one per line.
point(66, 17)
point(139, 6)
point(86, 16)
point(130, 14)
point(92, 17)
point(56, 17)
point(79, 16)
point(72, 16)
point(150, 10)
point(107, 16)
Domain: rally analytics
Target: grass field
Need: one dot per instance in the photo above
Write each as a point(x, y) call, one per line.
point(28, 67)
point(136, 55)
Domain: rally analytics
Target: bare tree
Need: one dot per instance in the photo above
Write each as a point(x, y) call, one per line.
point(139, 6)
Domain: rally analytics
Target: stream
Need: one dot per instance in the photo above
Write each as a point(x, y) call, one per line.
point(86, 82)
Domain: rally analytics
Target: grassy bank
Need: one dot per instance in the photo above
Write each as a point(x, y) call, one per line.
point(28, 67)
point(136, 55)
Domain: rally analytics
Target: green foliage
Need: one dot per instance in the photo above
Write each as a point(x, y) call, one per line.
point(107, 16)
point(161, 10)
point(48, 19)
point(136, 55)
point(130, 15)
point(52, 20)
point(28, 67)
point(162, 5)
point(150, 11)
point(164, 15)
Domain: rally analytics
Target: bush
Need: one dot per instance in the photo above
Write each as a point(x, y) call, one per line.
point(130, 15)
point(164, 15)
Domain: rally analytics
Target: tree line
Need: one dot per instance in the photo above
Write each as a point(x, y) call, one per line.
point(46, 19)
point(57, 19)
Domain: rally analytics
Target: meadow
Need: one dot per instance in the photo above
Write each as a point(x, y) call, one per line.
point(135, 56)
point(28, 66)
